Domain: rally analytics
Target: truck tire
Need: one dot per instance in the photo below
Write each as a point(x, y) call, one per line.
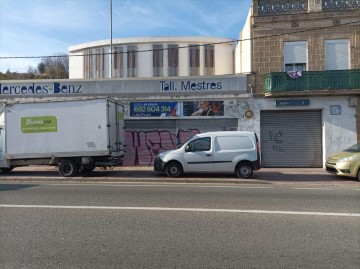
point(174, 169)
point(68, 168)
point(6, 169)
point(244, 170)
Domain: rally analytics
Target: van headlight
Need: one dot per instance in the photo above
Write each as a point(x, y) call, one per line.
point(161, 154)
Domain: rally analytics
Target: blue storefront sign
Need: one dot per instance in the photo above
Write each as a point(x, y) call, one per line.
point(153, 109)
point(297, 102)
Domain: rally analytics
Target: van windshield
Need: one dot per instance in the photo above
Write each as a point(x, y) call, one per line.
point(179, 145)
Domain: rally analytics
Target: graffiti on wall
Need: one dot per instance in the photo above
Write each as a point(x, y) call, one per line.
point(142, 147)
point(277, 139)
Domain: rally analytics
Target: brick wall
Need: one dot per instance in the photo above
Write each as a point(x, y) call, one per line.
point(268, 52)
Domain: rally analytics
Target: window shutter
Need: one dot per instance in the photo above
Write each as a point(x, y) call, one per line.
point(337, 54)
point(295, 52)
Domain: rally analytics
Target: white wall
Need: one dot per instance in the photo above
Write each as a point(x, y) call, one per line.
point(76, 65)
point(243, 59)
point(339, 131)
point(184, 62)
point(145, 60)
point(224, 59)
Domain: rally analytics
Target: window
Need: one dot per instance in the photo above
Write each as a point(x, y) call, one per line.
point(158, 60)
point(234, 143)
point(337, 54)
point(118, 59)
point(87, 64)
point(200, 144)
point(99, 55)
point(194, 60)
point(132, 61)
point(173, 59)
point(295, 56)
point(209, 60)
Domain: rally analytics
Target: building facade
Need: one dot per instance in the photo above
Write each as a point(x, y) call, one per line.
point(152, 57)
point(292, 77)
point(304, 57)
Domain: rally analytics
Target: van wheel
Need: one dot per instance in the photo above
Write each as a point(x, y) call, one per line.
point(244, 170)
point(174, 169)
point(68, 168)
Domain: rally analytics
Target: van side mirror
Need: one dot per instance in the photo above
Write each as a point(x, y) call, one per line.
point(188, 148)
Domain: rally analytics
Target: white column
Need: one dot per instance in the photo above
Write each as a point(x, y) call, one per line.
point(202, 60)
point(184, 61)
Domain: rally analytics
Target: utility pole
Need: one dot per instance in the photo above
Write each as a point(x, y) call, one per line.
point(111, 44)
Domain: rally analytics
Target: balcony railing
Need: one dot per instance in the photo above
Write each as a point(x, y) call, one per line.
point(282, 7)
point(277, 7)
point(339, 5)
point(281, 82)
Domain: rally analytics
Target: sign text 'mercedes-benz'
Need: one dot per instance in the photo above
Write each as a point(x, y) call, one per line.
point(37, 89)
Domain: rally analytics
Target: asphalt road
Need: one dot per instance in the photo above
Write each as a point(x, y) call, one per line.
point(61, 225)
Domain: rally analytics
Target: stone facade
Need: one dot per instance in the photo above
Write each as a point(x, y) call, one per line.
point(270, 31)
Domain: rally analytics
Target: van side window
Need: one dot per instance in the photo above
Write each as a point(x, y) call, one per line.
point(200, 144)
point(233, 143)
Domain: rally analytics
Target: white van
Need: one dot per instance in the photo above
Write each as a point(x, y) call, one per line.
point(228, 151)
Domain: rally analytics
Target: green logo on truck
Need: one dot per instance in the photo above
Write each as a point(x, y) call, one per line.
point(45, 124)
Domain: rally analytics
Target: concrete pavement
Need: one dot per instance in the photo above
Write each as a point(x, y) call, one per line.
point(313, 176)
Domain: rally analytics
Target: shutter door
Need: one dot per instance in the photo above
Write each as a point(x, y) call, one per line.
point(291, 138)
point(337, 54)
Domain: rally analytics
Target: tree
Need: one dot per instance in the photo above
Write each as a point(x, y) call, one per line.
point(54, 67)
point(41, 68)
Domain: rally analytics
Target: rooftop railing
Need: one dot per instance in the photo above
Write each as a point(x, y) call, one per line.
point(281, 7)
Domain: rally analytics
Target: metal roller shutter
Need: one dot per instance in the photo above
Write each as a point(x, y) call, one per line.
point(291, 138)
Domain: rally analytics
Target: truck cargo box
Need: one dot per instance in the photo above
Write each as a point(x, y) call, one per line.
point(64, 129)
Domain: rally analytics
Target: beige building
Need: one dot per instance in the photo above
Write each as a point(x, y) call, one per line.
point(301, 35)
point(304, 57)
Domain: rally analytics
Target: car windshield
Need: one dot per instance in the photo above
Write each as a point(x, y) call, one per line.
point(355, 148)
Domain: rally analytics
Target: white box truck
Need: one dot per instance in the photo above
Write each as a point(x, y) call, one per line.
point(76, 136)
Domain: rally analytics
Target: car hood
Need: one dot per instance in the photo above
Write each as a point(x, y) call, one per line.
point(342, 154)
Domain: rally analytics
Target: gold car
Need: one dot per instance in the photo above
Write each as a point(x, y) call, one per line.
point(345, 163)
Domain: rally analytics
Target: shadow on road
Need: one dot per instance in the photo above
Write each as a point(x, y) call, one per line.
point(15, 187)
point(265, 175)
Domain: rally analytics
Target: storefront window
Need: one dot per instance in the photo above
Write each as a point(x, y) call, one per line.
point(173, 59)
point(209, 60)
point(132, 61)
point(158, 60)
point(194, 60)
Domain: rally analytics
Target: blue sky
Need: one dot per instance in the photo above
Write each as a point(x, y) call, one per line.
point(49, 27)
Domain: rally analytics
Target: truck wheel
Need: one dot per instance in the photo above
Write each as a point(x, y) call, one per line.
point(68, 168)
point(174, 169)
point(6, 169)
point(244, 170)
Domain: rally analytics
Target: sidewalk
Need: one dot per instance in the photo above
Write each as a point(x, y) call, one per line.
point(145, 174)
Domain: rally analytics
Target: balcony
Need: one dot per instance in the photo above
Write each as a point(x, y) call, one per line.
point(313, 82)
